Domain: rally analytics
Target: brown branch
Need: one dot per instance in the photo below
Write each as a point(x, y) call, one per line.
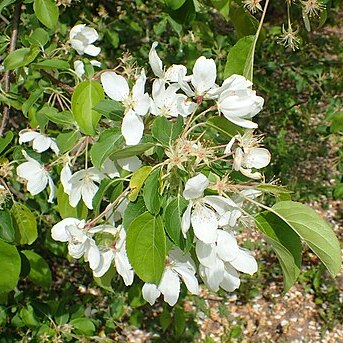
point(13, 42)
point(59, 83)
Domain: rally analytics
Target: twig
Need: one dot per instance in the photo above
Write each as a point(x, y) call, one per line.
point(13, 43)
point(58, 82)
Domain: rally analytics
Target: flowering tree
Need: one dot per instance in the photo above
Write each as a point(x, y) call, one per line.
point(152, 171)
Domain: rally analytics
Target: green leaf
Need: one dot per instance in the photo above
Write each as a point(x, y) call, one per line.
point(28, 316)
point(179, 321)
point(185, 14)
point(9, 266)
point(67, 140)
point(5, 141)
point(314, 230)
point(244, 23)
point(64, 208)
point(166, 131)
point(33, 98)
point(47, 12)
point(39, 37)
point(175, 4)
point(111, 109)
point(338, 191)
point(137, 181)
point(133, 210)
point(151, 192)
point(337, 122)
point(224, 126)
point(7, 232)
point(40, 273)
point(146, 247)
point(20, 57)
point(52, 113)
point(109, 141)
point(86, 95)
point(100, 194)
point(83, 326)
point(306, 21)
point(172, 219)
point(25, 224)
point(131, 151)
point(280, 192)
point(105, 281)
point(51, 64)
point(286, 244)
point(5, 3)
point(240, 58)
point(222, 6)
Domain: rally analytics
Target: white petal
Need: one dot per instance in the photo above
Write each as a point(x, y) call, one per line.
point(115, 86)
point(54, 147)
point(150, 293)
point(130, 164)
point(231, 279)
point(155, 62)
point(188, 278)
point(227, 247)
point(37, 184)
point(88, 190)
point(170, 286)
point(228, 148)
point(79, 68)
point(92, 50)
point(105, 263)
point(89, 33)
point(206, 253)
point(92, 255)
point(186, 220)
point(58, 231)
point(204, 74)
point(142, 105)
point(132, 128)
point(138, 87)
point(219, 203)
point(256, 158)
point(213, 276)
point(110, 169)
point(76, 30)
point(77, 250)
point(204, 223)
point(124, 267)
point(52, 189)
point(75, 194)
point(245, 262)
point(242, 122)
point(65, 178)
point(27, 136)
point(195, 187)
point(172, 73)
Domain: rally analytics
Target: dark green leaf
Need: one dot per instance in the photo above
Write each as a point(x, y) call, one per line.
point(222, 6)
point(175, 4)
point(7, 232)
point(146, 247)
point(109, 141)
point(9, 266)
point(47, 12)
point(67, 140)
point(244, 23)
point(151, 192)
point(5, 3)
point(131, 151)
point(224, 126)
point(133, 210)
point(33, 98)
point(5, 141)
point(62, 118)
point(111, 109)
point(286, 244)
point(40, 273)
point(166, 131)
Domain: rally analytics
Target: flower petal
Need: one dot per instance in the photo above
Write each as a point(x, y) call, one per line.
point(130, 164)
point(186, 220)
point(256, 158)
point(195, 187)
point(227, 247)
point(58, 231)
point(124, 267)
point(104, 264)
point(245, 262)
point(170, 286)
point(231, 279)
point(132, 128)
point(115, 86)
point(155, 62)
point(204, 74)
point(150, 293)
point(206, 253)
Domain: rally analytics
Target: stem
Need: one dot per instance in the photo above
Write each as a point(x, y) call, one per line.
point(13, 42)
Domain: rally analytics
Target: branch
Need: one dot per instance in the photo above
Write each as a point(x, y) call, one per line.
point(13, 43)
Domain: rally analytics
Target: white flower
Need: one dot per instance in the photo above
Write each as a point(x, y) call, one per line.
point(81, 184)
point(172, 73)
point(203, 78)
point(179, 265)
point(118, 254)
point(136, 103)
point(79, 67)
point(36, 176)
point(248, 154)
point(208, 212)
point(166, 102)
point(237, 102)
point(81, 39)
point(40, 142)
point(220, 260)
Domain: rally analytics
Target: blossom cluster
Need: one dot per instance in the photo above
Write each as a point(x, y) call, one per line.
point(215, 201)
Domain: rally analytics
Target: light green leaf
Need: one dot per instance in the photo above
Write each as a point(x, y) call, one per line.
point(146, 247)
point(175, 4)
point(151, 192)
point(224, 126)
point(39, 37)
point(133, 210)
point(131, 151)
point(5, 3)
point(240, 58)
point(47, 12)
point(7, 232)
point(165, 130)
point(4, 141)
point(222, 6)
point(20, 57)
point(314, 230)
point(24, 223)
point(306, 21)
point(109, 141)
point(137, 181)
point(286, 244)
point(62, 118)
point(10, 267)
point(280, 192)
point(83, 326)
point(40, 272)
point(86, 95)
